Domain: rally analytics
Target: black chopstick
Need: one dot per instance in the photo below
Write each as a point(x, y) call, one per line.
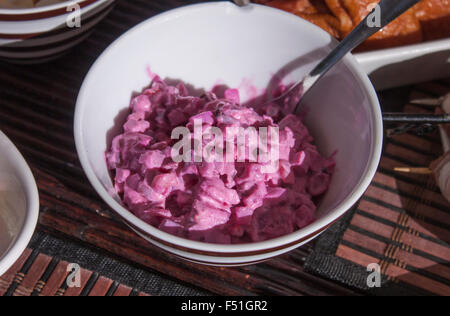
point(416, 118)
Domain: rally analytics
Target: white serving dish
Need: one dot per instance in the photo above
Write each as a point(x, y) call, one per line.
point(34, 38)
point(18, 190)
point(40, 26)
point(395, 67)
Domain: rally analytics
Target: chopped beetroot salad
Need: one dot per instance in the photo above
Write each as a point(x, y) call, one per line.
point(218, 201)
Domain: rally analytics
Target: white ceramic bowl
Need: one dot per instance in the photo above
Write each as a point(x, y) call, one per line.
point(19, 204)
point(220, 42)
point(40, 34)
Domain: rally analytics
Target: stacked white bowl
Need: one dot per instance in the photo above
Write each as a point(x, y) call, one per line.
point(43, 33)
point(19, 204)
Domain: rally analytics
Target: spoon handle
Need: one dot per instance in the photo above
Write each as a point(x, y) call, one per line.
point(241, 3)
point(381, 15)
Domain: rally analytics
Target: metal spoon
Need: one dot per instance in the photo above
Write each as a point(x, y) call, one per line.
point(242, 3)
point(384, 13)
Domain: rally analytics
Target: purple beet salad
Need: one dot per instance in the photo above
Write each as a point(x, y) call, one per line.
point(210, 169)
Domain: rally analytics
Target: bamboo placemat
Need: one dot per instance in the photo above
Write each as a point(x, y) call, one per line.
point(50, 267)
point(402, 223)
point(36, 274)
point(36, 112)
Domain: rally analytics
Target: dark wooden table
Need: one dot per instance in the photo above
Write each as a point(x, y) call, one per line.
point(36, 112)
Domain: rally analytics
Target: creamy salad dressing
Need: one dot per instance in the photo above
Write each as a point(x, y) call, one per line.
point(23, 4)
point(6, 235)
point(12, 211)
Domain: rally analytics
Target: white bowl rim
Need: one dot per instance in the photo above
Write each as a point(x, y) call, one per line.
point(32, 212)
point(52, 7)
point(311, 229)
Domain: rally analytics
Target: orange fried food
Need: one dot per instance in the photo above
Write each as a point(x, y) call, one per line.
point(345, 21)
point(428, 20)
point(405, 30)
point(434, 16)
point(294, 6)
point(315, 11)
point(325, 21)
